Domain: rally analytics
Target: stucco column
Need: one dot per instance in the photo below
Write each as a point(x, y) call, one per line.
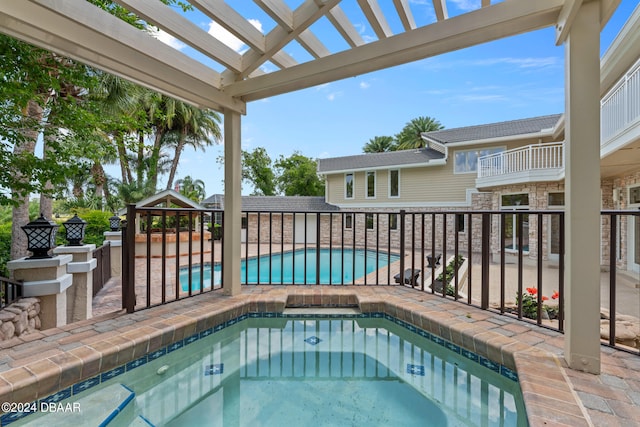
point(232, 206)
point(582, 196)
point(115, 246)
point(80, 294)
point(48, 280)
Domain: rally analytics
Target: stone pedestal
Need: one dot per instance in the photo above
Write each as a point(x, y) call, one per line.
point(80, 294)
point(115, 242)
point(48, 280)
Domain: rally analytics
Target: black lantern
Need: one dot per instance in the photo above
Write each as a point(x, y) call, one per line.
point(75, 230)
point(41, 236)
point(114, 222)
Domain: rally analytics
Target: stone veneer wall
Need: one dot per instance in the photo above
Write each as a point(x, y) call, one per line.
point(270, 228)
point(19, 318)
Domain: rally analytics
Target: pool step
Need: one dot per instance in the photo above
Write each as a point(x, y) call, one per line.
point(100, 406)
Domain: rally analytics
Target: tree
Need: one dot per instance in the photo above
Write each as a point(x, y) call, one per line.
point(258, 170)
point(379, 144)
point(297, 176)
point(196, 127)
point(409, 137)
point(191, 188)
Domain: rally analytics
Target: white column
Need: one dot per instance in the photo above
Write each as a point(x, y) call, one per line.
point(115, 246)
point(48, 280)
point(232, 205)
point(582, 197)
point(80, 294)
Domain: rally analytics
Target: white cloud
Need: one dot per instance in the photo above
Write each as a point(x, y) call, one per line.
point(333, 95)
point(365, 85)
point(220, 33)
point(167, 39)
point(467, 5)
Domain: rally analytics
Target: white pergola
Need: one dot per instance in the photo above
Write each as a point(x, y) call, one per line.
point(79, 30)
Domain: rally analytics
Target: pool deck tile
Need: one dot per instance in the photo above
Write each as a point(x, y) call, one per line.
point(554, 394)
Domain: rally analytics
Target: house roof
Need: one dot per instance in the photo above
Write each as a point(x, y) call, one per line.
point(424, 155)
point(378, 160)
point(275, 203)
point(494, 130)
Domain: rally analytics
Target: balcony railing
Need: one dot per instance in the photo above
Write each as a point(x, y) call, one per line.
point(529, 163)
point(495, 258)
point(620, 108)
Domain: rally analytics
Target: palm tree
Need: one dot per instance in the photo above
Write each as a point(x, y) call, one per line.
point(196, 127)
point(379, 144)
point(193, 189)
point(409, 137)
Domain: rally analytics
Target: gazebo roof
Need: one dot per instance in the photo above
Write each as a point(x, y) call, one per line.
point(166, 198)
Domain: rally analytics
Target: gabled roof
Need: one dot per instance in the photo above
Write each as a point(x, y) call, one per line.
point(494, 130)
point(275, 203)
point(378, 160)
point(407, 158)
point(168, 197)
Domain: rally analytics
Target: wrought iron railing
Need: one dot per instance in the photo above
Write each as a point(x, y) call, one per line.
point(102, 273)
point(510, 262)
point(10, 291)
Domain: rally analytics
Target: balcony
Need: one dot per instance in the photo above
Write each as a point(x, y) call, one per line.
point(532, 163)
point(620, 113)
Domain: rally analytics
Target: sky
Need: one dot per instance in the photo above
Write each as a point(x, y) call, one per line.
point(514, 78)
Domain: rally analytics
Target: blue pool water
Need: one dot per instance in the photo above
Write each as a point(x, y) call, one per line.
point(303, 371)
point(337, 266)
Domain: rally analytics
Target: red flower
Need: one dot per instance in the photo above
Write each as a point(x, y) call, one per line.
point(544, 298)
point(555, 295)
point(532, 291)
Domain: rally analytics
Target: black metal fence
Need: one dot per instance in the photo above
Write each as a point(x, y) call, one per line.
point(102, 273)
point(10, 291)
point(510, 262)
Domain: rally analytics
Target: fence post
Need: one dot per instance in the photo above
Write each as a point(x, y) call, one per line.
point(128, 259)
point(486, 253)
point(402, 228)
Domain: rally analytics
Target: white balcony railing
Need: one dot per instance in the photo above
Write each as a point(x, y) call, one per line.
point(523, 159)
point(620, 108)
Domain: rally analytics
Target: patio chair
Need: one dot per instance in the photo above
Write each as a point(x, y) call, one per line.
point(431, 259)
point(410, 277)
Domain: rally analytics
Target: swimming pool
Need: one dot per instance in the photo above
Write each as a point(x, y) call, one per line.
point(366, 369)
point(337, 266)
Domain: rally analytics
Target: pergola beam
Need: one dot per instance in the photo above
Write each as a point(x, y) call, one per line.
point(344, 26)
point(303, 17)
point(404, 12)
point(120, 49)
point(480, 26)
point(181, 28)
point(440, 7)
point(372, 11)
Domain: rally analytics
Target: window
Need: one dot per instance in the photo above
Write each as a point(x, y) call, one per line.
point(393, 221)
point(371, 185)
point(348, 221)
point(394, 183)
point(556, 199)
point(369, 221)
point(515, 199)
point(634, 195)
point(466, 161)
point(348, 186)
point(244, 222)
point(460, 223)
